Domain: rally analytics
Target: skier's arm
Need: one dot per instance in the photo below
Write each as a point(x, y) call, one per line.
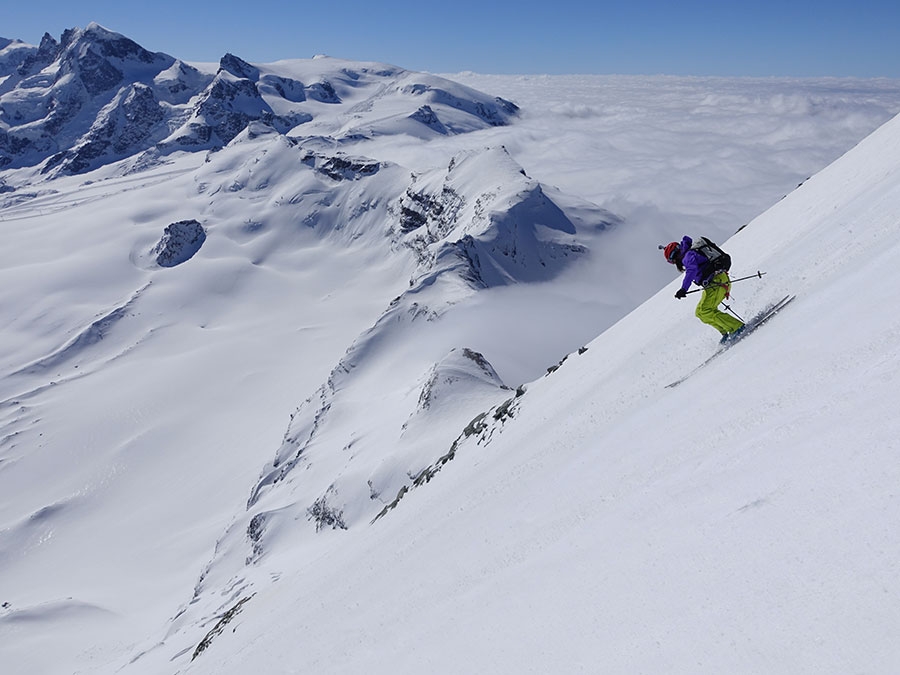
point(691, 269)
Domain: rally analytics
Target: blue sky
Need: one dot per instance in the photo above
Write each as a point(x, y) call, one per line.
point(762, 38)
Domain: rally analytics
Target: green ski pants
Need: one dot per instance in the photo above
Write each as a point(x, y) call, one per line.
point(708, 307)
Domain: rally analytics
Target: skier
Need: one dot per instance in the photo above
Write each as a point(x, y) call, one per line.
point(715, 282)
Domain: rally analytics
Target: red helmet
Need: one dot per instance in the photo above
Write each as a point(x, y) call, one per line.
point(670, 251)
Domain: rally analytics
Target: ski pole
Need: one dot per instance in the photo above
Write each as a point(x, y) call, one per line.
point(758, 275)
point(728, 308)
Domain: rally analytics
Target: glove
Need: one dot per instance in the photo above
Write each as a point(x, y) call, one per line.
point(680, 293)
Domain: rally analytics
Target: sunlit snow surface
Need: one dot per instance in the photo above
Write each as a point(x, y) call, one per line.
point(744, 522)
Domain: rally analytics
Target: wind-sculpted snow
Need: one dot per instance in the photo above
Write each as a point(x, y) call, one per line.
point(86, 339)
point(446, 376)
point(482, 223)
point(62, 612)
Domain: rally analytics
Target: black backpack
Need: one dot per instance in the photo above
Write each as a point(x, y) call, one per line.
point(719, 261)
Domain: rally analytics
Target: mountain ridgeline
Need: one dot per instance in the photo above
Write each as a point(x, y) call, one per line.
point(93, 97)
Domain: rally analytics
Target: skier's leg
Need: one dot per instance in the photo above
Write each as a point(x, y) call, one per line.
point(708, 307)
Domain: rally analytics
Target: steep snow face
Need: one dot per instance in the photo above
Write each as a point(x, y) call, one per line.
point(745, 520)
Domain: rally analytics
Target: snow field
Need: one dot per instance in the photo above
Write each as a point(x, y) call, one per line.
point(743, 522)
point(597, 530)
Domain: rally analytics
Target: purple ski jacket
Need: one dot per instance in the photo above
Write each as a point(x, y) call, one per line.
point(694, 264)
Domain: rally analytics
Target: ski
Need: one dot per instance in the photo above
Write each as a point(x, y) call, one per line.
point(760, 319)
point(752, 325)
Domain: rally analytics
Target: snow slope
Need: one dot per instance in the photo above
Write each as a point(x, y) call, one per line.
point(746, 521)
point(147, 412)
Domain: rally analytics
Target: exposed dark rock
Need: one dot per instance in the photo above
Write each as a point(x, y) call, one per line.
point(180, 83)
point(226, 108)
point(286, 88)
point(96, 73)
point(219, 628)
point(179, 243)
point(344, 168)
point(429, 118)
point(44, 56)
point(326, 515)
point(113, 45)
point(121, 126)
point(323, 92)
point(436, 211)
point(139, 111)
point(495, 113)
point(255, 531)
point(238, 67)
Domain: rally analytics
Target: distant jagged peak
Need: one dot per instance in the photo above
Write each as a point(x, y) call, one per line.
point(109, 44)
point(24, 59)
point(205, 108)
point(118, 128)
point(238, 67)
point(422, 105)
point(102, 59)
point(48, 44)
point(178, 83)
point(15, 43)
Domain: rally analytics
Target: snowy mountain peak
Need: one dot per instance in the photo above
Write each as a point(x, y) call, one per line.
point(486, 217)
point(238, 67)
point(106, 43)
point(57, 103)
point(461, 367)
